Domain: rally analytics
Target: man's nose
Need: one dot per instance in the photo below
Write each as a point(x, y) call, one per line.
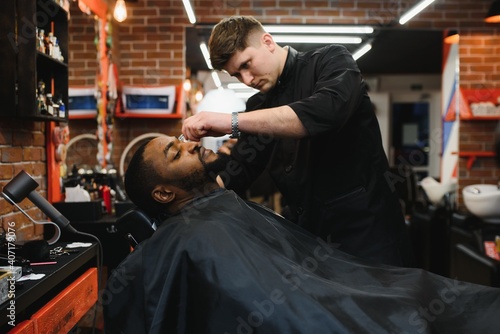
point(247, 78)
point(191, 146)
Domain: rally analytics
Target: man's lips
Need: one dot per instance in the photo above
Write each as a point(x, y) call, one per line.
point(257, 85)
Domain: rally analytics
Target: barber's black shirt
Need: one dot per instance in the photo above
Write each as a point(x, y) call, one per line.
point(335, 180)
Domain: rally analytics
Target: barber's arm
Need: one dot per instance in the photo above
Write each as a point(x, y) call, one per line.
point(280, 122)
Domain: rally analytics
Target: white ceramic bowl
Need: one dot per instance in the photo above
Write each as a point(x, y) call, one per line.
point(483, 201)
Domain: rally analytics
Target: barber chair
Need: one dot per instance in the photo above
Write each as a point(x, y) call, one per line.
point(405, 185)
point(475, 267)
point(135, 226)
point(464, 229)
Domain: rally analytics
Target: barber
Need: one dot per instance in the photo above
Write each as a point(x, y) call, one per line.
point(312, 126)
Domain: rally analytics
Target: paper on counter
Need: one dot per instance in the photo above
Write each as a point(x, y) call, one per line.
point(31, 277)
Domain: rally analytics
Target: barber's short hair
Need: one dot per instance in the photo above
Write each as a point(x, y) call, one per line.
point(229, 36)
point(140, 180)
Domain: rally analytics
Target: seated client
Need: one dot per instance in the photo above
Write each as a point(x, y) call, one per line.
point(220, 264)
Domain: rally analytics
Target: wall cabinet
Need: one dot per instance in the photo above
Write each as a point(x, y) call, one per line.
point(27, 27)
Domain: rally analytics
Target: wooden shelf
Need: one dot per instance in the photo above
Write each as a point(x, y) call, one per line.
point(83, 116)
point(469, 96)
point(480, 118)
point(473, 155)
point(24, 66)
point(140, 115)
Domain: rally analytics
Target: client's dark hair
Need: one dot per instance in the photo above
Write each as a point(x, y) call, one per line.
point(140, 180)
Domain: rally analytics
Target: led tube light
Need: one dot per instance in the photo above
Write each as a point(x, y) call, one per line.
point(216, 79)
point(316, 39)
point(206, 55)
point(361, 51)
point(305, 29)
point(414, 11)
point(189, 11)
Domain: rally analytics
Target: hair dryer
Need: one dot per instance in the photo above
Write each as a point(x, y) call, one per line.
point(22, 186)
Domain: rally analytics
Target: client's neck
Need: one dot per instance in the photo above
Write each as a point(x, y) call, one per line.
point(184, 197)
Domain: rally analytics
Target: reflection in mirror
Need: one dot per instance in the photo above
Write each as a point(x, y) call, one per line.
point(90, 65)
point(394, 51)
point(92, 96)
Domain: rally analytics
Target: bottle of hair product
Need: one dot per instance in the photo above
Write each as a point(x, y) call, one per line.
point(42, 106)
point(41, 40)
point(62, 108)
point(50, 104)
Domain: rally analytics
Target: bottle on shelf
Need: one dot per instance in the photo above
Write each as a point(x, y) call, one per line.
point(57, 54)
point(62, 108)
point(46, 43)
point(50, 104)
point(42, 106)
point(41, 40)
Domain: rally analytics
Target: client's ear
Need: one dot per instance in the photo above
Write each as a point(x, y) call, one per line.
point(163, 194)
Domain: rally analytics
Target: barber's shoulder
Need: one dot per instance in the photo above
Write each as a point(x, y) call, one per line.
point(331, 49)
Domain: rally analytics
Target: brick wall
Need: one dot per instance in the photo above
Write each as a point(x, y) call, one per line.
point(479, 69)
point(22, 147)
point(149, 49)
point(149, 45)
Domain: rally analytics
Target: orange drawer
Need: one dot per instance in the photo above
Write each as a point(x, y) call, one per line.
point(62, 313)
point(25, 327)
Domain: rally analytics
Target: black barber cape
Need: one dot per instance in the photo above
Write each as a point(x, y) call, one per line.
point(227, 266)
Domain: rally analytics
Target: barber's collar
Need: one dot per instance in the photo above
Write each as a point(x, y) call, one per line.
point(290, 61)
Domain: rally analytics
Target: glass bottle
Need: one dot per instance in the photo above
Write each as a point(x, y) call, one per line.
point(50, 104)
point(42, 106)
point(41, 40)
point(62, 108)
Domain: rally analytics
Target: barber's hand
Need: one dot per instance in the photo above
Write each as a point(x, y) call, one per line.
point(206, 124)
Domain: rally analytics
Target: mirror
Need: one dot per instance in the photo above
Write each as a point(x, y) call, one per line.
point(89, 59)
point(401, 62)
point(394, 51)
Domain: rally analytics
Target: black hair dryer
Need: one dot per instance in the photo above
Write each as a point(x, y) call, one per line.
point(22, 186)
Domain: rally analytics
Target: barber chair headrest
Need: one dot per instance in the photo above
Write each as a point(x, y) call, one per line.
point(135, 226)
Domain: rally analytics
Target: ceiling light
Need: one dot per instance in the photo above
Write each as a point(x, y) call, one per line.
point(493, 15)
point(237, 85)
point(361, 51)
point(216, 79)
point(316, 39)
point(198, 96)
point(187, 85)
point(189, 11)
point(306, 29)
point(414, 11)
point(120, 12)
point(452, 37)
point(206, 55)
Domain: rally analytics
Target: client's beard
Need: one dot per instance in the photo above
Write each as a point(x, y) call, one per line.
point(215, 167)
point(199, 179)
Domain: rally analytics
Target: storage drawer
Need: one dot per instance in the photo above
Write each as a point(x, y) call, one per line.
point(25, 327)
point(62, 313)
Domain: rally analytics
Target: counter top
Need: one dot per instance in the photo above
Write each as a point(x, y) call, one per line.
point(31, 295)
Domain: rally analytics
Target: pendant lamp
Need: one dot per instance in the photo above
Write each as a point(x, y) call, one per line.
point(493, 15)
point(452, 37)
